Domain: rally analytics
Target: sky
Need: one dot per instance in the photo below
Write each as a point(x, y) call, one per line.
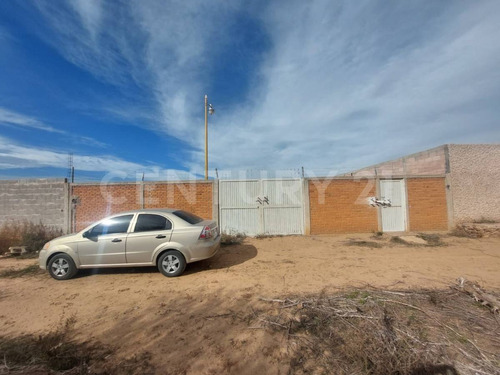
point(327, 85)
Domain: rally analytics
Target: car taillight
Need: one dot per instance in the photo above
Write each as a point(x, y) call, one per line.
point(206, 233)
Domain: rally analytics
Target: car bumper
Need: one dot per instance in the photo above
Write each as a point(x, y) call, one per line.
point(42, 259)
point(205, 250)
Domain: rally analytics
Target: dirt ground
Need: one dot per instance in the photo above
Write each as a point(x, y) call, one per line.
point(202, 322)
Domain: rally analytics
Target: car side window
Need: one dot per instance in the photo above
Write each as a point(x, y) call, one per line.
point(151, 222)
point(117, 224)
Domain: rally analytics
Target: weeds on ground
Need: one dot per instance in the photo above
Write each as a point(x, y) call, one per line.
point(380, 332)
point(398, 240)
point(432, 239)
point(28, 255)
point(31, 270)
point(54, 351)
point(58, 352)
point(461, 231)
point(25, 233)
point(232, 239)
point(361, 243)
point(264, 235)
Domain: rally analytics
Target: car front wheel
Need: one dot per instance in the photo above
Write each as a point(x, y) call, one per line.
point(62, 267)
point(171, 263)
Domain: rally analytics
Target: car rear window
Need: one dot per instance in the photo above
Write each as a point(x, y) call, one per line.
point(151, 222)
point(188, 217)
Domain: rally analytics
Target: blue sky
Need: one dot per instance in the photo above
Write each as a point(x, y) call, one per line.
point(328, 85)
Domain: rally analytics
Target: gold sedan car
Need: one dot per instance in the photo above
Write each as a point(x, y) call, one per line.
point(168, 239)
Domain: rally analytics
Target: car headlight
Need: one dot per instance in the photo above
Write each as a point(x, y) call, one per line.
point(46, 246)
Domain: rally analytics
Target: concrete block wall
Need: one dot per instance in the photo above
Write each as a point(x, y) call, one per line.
point(98, 201)
point(36, 200)
point(426, 163)
point(475, 181)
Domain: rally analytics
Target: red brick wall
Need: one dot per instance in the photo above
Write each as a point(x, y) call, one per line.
point(340, 206)
point(336, 205)
point(193, 197)
point(99, 201)
point(427, 206)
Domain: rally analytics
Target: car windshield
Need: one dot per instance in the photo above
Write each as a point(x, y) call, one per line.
point(188, 217)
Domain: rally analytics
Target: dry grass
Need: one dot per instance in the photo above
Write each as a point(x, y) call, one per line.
point(398, 240)
point(432, 239)
point(30, 270)
point(25, 233)
point(264, 236)
point(58, 353)
point(361, 243)
point(386, 332)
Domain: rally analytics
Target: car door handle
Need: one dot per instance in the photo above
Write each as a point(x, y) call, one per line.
point(116, 240)
point(161, 236)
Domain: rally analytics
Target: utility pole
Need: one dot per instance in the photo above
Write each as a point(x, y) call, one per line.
point(208, 110)
point(71, 168)
point(206, 137)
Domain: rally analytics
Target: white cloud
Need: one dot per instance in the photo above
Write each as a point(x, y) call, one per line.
point(345, 84)
point(16, 156)
point(90, 12)
point(16, 119)
point(11, 118)
point(339, 93)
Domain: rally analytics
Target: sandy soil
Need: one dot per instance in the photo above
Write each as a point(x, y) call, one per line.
point(203, 322)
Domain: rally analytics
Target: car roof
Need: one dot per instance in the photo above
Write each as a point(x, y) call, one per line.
point(148, 210)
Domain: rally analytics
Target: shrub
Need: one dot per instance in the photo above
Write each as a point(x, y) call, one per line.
point(232, 239)
point(25, 233)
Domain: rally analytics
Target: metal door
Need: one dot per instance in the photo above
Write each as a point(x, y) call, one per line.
point(261, 206)
point(239, 209)
point(393, 216)
point(282, 211)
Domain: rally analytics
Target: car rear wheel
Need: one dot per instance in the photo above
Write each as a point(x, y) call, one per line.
point(171, 263)
point(62, 267)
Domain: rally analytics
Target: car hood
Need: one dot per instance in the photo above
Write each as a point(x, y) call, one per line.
point(65, 239)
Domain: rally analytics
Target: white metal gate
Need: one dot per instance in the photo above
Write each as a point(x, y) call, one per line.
point(393, 216)
point(261, 206)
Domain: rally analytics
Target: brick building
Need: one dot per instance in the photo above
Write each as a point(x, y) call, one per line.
point(471, 172)
point(426, 191)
